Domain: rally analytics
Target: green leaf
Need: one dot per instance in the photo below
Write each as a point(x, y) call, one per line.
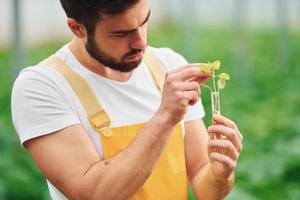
point(221, 83)
point(224, 76)
point(216, 65)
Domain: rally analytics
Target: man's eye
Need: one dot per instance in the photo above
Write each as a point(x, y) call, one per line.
point(121, 34)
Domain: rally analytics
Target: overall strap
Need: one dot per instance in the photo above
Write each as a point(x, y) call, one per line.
point(155, 67)
point(97, 116)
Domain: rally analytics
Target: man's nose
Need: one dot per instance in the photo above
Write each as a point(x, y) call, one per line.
point(139, 39)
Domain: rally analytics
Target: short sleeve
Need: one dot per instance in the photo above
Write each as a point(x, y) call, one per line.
point(38, 105)
point(171, 60)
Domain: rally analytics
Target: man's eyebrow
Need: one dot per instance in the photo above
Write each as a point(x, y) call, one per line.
point(131, 30)
point(147, 18)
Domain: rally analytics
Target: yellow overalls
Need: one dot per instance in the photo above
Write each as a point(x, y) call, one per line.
point(168, 180)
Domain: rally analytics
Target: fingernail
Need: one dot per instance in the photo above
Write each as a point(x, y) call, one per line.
point(209, 129)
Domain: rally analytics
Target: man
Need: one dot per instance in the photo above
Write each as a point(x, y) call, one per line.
point(151, 144)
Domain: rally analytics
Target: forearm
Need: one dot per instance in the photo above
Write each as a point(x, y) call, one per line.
point(130, 168)
point(208, 187)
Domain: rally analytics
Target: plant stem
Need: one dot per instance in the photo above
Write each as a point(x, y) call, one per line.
point(206, 86)
point(214, 82)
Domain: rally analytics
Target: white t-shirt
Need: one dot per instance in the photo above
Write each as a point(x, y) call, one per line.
point(43, 102)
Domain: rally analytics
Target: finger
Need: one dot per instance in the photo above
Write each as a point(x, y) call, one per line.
point(219, 119)
point(225, 145)
point(200, 79)
point(188, 86)
point(209, 73)
point(214, 136)
point(189, 65)
point(230, 134)
point(225, 160)
point(191, 97)
point(188, 72)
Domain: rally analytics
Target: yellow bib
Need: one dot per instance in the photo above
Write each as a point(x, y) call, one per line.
point(168, 179)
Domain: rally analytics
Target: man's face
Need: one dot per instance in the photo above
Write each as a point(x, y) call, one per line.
point(119, 40)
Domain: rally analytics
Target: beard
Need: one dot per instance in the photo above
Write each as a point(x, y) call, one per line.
point(108, 60)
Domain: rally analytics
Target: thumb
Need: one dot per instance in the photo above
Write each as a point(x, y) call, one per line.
point(202, 78)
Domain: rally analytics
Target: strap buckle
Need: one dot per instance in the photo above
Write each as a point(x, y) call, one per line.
point(100, 123)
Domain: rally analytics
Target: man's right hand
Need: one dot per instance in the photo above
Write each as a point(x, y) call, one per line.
point(181, 89)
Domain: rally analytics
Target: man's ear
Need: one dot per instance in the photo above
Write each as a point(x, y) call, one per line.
point(77, 28)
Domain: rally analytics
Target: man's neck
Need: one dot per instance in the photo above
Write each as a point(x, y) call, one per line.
point(79, 51)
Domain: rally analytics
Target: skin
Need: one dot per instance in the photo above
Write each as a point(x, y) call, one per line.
point(69, 160)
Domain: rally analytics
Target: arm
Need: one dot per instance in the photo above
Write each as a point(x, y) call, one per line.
point(69, 161)
point(211, 173)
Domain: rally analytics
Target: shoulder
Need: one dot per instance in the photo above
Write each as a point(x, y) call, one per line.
point(35, 86)
point(39, 76)
point(39, 82)
point(168, 57)
point(33, 79)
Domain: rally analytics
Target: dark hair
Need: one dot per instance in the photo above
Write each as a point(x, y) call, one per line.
point(88, 12)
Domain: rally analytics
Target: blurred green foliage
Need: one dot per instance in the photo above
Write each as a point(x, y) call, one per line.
point(262, 97)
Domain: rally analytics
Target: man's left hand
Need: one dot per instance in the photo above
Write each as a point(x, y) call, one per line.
point(225, 147)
